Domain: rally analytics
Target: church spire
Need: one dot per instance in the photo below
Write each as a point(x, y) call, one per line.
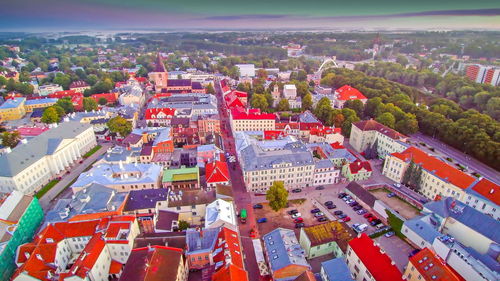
point(160, 67)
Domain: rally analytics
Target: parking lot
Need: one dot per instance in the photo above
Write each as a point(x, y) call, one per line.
point(399, 205)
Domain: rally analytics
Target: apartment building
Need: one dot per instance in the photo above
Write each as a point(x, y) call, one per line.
point(484, 196)
point(369, 133)
point(31, 165)
point(252, 121)
point(31, 105)
point(12, 109)
point(426, 265)
point(292, 164)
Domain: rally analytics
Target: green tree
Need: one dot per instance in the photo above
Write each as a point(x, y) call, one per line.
point(183, 225)
point(283, 105)
point(66, 104)
point(259, 101)
point(10, 139)
point(302, 75)
point(402, 60)
point(386, 119)
point(63, 80)
point(277, 196)
point(120, 125)
point(408, 173)
point(356, 105)
point(210, 89)
point(323, 110)
point(103, 101)
point(371, 106)
point(89, 104)
point(493, 108)
point(50, 115)
point(307, 102)
point(349, 118)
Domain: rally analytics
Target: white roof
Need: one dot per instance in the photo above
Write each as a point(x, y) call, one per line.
point(220, 210)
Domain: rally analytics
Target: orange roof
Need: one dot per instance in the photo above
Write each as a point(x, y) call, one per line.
point(216, 172)
point(436, 167)
point(432, 268)
point(231, 243)
point(230, 272)
point(488, 189)
point(115, 267)
point(114, 229)
point(347, 92)
point(88, 256)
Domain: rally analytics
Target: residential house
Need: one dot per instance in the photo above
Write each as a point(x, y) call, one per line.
point(199, 247)
point(79, 86)
point(325, 238)
point(191, 205)
point(347, 93)
point(221, 213)
point(484, 196)
point(48, 89)
point(357, 171)
point(367, 261)
point(159, 116)
point(284, 255)
point(217, 172)
point(252, 121)
point(143, 202)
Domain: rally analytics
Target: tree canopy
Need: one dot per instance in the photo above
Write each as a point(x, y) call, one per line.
point(277, 196)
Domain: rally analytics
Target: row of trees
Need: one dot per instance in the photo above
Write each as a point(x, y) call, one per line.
point(55, 113)
point(470, 131)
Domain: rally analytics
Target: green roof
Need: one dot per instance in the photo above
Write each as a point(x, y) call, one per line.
point(182, 174)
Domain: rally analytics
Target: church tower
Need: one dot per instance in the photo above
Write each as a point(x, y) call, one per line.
point(159, 76)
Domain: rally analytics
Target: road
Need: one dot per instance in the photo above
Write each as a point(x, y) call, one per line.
point(49, 197)
point(457, 155)
point(241, 197)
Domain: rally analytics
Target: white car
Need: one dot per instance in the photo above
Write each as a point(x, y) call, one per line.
point(297, 215)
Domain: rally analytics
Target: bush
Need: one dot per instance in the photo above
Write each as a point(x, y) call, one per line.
point(395, 223)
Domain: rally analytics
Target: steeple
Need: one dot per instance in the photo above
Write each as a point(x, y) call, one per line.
point(160, 67)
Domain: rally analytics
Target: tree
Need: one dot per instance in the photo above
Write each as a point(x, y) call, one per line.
point(277, 196)
point(302, 75)
point(386, 119)
point(307, 102)
point(120, 125)
point(259, 101)
point(356, 105)
point(210, 89)
point(63, 80)
point(402, 60)
point(60, 111)
point(50, 115)
point(493, 108)
point(371, 152)
point(66, 104)
point(10, 139)
point(408, 173)
point(323, 110)
point(103, 101)
point(283, 105)
point(183, 225)
point(89, 104)
point(349, 118)
point(371, 106)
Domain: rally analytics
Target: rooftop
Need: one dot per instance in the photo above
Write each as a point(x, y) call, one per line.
point(432, 267)
point(372, 125)
point(181, 174)
point(12, 103)
point(422, 228)
point(378, 263)
point(283, 249)
point(145, 199)
point(337, 270)
point(332, 231)
point(220, 210)
point(201, 241)
point(487, 189)
point(153, 264)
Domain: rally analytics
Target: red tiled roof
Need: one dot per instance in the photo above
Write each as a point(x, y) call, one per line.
point(337, 145)
point(291, 125)
point(357, 166)
point(150, 112)
point(436, 167)
point(372, 125)
point(252, 116)
point(110, 97)
point(322, 131)
point(347, 92)
point(230, 273)
point(378, 264)
point(88, 256)
point(309, 126)
point(78, 84)
point(115, 267)
point(431, 267)
point(216, 172)
point(273, 135)
point(488, 189)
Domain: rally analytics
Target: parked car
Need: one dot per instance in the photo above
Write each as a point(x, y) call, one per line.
point(321, 219)
point(346, 219)
point(339, 212)
point(369, 215)
point(320, 187)
point(333, 206)
point(375, 222)
point(328, 203)
point(319, 214)
point(258, 206)
point(342, 195)
point(372, 218)
point(298, 220)
point(341, 216)
point(296, 190)
point(398, 185)
point(355, 225)
point(392, 194)
point(315, 211)
point(262, 220)
point(299, 225)
point(361, 212)
point(297, 215)
point(346, 198)
point(357, 207)
point(360, 227)
point(294, 211)
point(353, 203)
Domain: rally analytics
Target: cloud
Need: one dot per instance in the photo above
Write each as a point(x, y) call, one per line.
point(245, 17)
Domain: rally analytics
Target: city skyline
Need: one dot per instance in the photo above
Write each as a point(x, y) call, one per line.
point(57, 15)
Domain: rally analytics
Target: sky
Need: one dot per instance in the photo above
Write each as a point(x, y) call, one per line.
point(61, 15)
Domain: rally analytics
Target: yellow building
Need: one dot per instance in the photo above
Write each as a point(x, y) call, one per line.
point(30, 105)
point(12, 109)
point(437, 179)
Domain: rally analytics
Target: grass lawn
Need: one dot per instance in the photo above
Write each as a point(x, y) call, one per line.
point(396, 224)
point(92, 151)
point(46, 188)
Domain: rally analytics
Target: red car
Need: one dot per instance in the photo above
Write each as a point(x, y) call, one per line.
point(372, 219)
point(346, 219)
point(298, 220)
point(369, 215)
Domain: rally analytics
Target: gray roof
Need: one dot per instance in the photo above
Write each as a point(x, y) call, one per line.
point(323, 164)
point(468, 216)
point(255, 158)
point(92, 199)
point(422, 228)
point(24, 155)
point(145, 198)
point(283, 249)
point(362, 194)
point(201, 241)
point(337, 270)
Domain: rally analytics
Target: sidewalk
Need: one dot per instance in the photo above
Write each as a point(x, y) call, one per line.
point(67, 179)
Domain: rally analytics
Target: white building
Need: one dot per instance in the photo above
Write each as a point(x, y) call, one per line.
point(221, 213)
point(31, 165)
point(290, 91)
point(246, 70)
point(48, 89)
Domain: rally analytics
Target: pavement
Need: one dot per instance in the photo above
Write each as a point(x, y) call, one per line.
point(75, 171)
point(472, 163)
